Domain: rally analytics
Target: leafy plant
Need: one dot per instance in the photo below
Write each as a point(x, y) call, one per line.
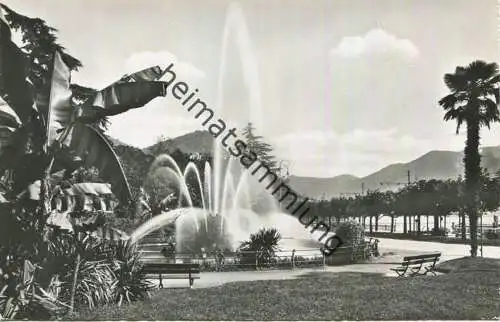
point(261, 248)
point(131, 283)
point(351, 233)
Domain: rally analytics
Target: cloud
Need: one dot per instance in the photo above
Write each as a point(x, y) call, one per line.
point(374, 42)
point(358, 152)
point(141, 127)
point(144, 59)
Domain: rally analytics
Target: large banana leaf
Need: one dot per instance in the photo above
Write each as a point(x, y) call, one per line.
point(121, 97)
point(95, 150)
point(60, 110)
point(8, 120)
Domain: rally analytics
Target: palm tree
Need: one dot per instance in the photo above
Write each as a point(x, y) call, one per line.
point(261, 247)
point(473, 100)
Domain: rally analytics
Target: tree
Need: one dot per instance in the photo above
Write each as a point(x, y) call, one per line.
point(257, 145)
point(473, 100)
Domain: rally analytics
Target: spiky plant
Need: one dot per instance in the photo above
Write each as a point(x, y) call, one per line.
point(261, 248)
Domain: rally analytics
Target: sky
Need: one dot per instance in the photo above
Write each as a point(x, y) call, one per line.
point(338, 86)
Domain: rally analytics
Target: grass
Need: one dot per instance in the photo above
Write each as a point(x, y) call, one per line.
point(430, 238)
point(324, 296)
point(464, 264)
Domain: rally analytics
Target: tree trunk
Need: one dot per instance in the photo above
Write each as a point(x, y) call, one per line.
point(419, 227)
point(405, 229)
point(376, 223)
point(436, 223)
point(462, 225)
point(392, 223)
point(473, 231)
point(371, 224)
point(472, 162)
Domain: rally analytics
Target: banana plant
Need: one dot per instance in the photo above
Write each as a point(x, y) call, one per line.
point(54, 127)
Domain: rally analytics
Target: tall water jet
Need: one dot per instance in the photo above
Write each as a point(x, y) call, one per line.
point(236, 23)
point(208, 186)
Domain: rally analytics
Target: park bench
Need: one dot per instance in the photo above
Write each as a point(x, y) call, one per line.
point(418, 265)
point(173, 271)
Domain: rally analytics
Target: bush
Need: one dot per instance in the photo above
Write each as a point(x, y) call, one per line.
point(352, 236)
point(261, 249)
point(351, 233)
point(492, 234)
point(131, 283)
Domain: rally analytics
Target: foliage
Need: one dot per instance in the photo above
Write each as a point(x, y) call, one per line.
point(131, 283)
point(351, 233)
point(261, 248)
point(257, 145)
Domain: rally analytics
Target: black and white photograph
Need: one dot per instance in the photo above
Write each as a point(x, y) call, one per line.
point(266, 160)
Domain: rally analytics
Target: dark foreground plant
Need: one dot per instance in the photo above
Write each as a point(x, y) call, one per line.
point(131, 283)
point(261, 249)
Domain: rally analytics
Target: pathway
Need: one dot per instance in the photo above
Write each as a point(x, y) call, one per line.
point(399, 248)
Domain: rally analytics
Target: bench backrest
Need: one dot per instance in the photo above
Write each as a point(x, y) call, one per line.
point(171, 268)
point(421, 259)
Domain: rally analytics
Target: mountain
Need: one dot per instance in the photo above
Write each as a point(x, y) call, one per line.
point(195, 142)
point(432, 165)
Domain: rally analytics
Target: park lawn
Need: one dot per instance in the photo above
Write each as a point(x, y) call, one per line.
point(323, 296)
point(464, 264)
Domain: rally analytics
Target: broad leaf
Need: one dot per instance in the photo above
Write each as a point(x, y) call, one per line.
point(119, 98)
point(60, 110)
point(8, 120)
point(95, 150)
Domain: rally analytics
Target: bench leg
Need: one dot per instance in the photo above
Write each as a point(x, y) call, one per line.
point(161, 282)
point(430, 270)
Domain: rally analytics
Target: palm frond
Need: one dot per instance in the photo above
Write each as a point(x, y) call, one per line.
point(456, 82)
point(481, 70)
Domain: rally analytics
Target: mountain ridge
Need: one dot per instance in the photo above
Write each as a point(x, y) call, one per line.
point(435, 164)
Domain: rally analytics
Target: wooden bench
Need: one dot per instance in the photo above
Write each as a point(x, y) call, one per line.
point(418, 265)
point(173, 271)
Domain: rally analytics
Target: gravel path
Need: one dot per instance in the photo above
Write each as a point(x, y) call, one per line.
point(392, 251)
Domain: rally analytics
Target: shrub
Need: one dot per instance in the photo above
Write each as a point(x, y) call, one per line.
point(351, 233)
point(492, 234)
point(131, 283)
point(260, 249)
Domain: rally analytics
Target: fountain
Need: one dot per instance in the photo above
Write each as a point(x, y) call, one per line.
point(233, 203)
